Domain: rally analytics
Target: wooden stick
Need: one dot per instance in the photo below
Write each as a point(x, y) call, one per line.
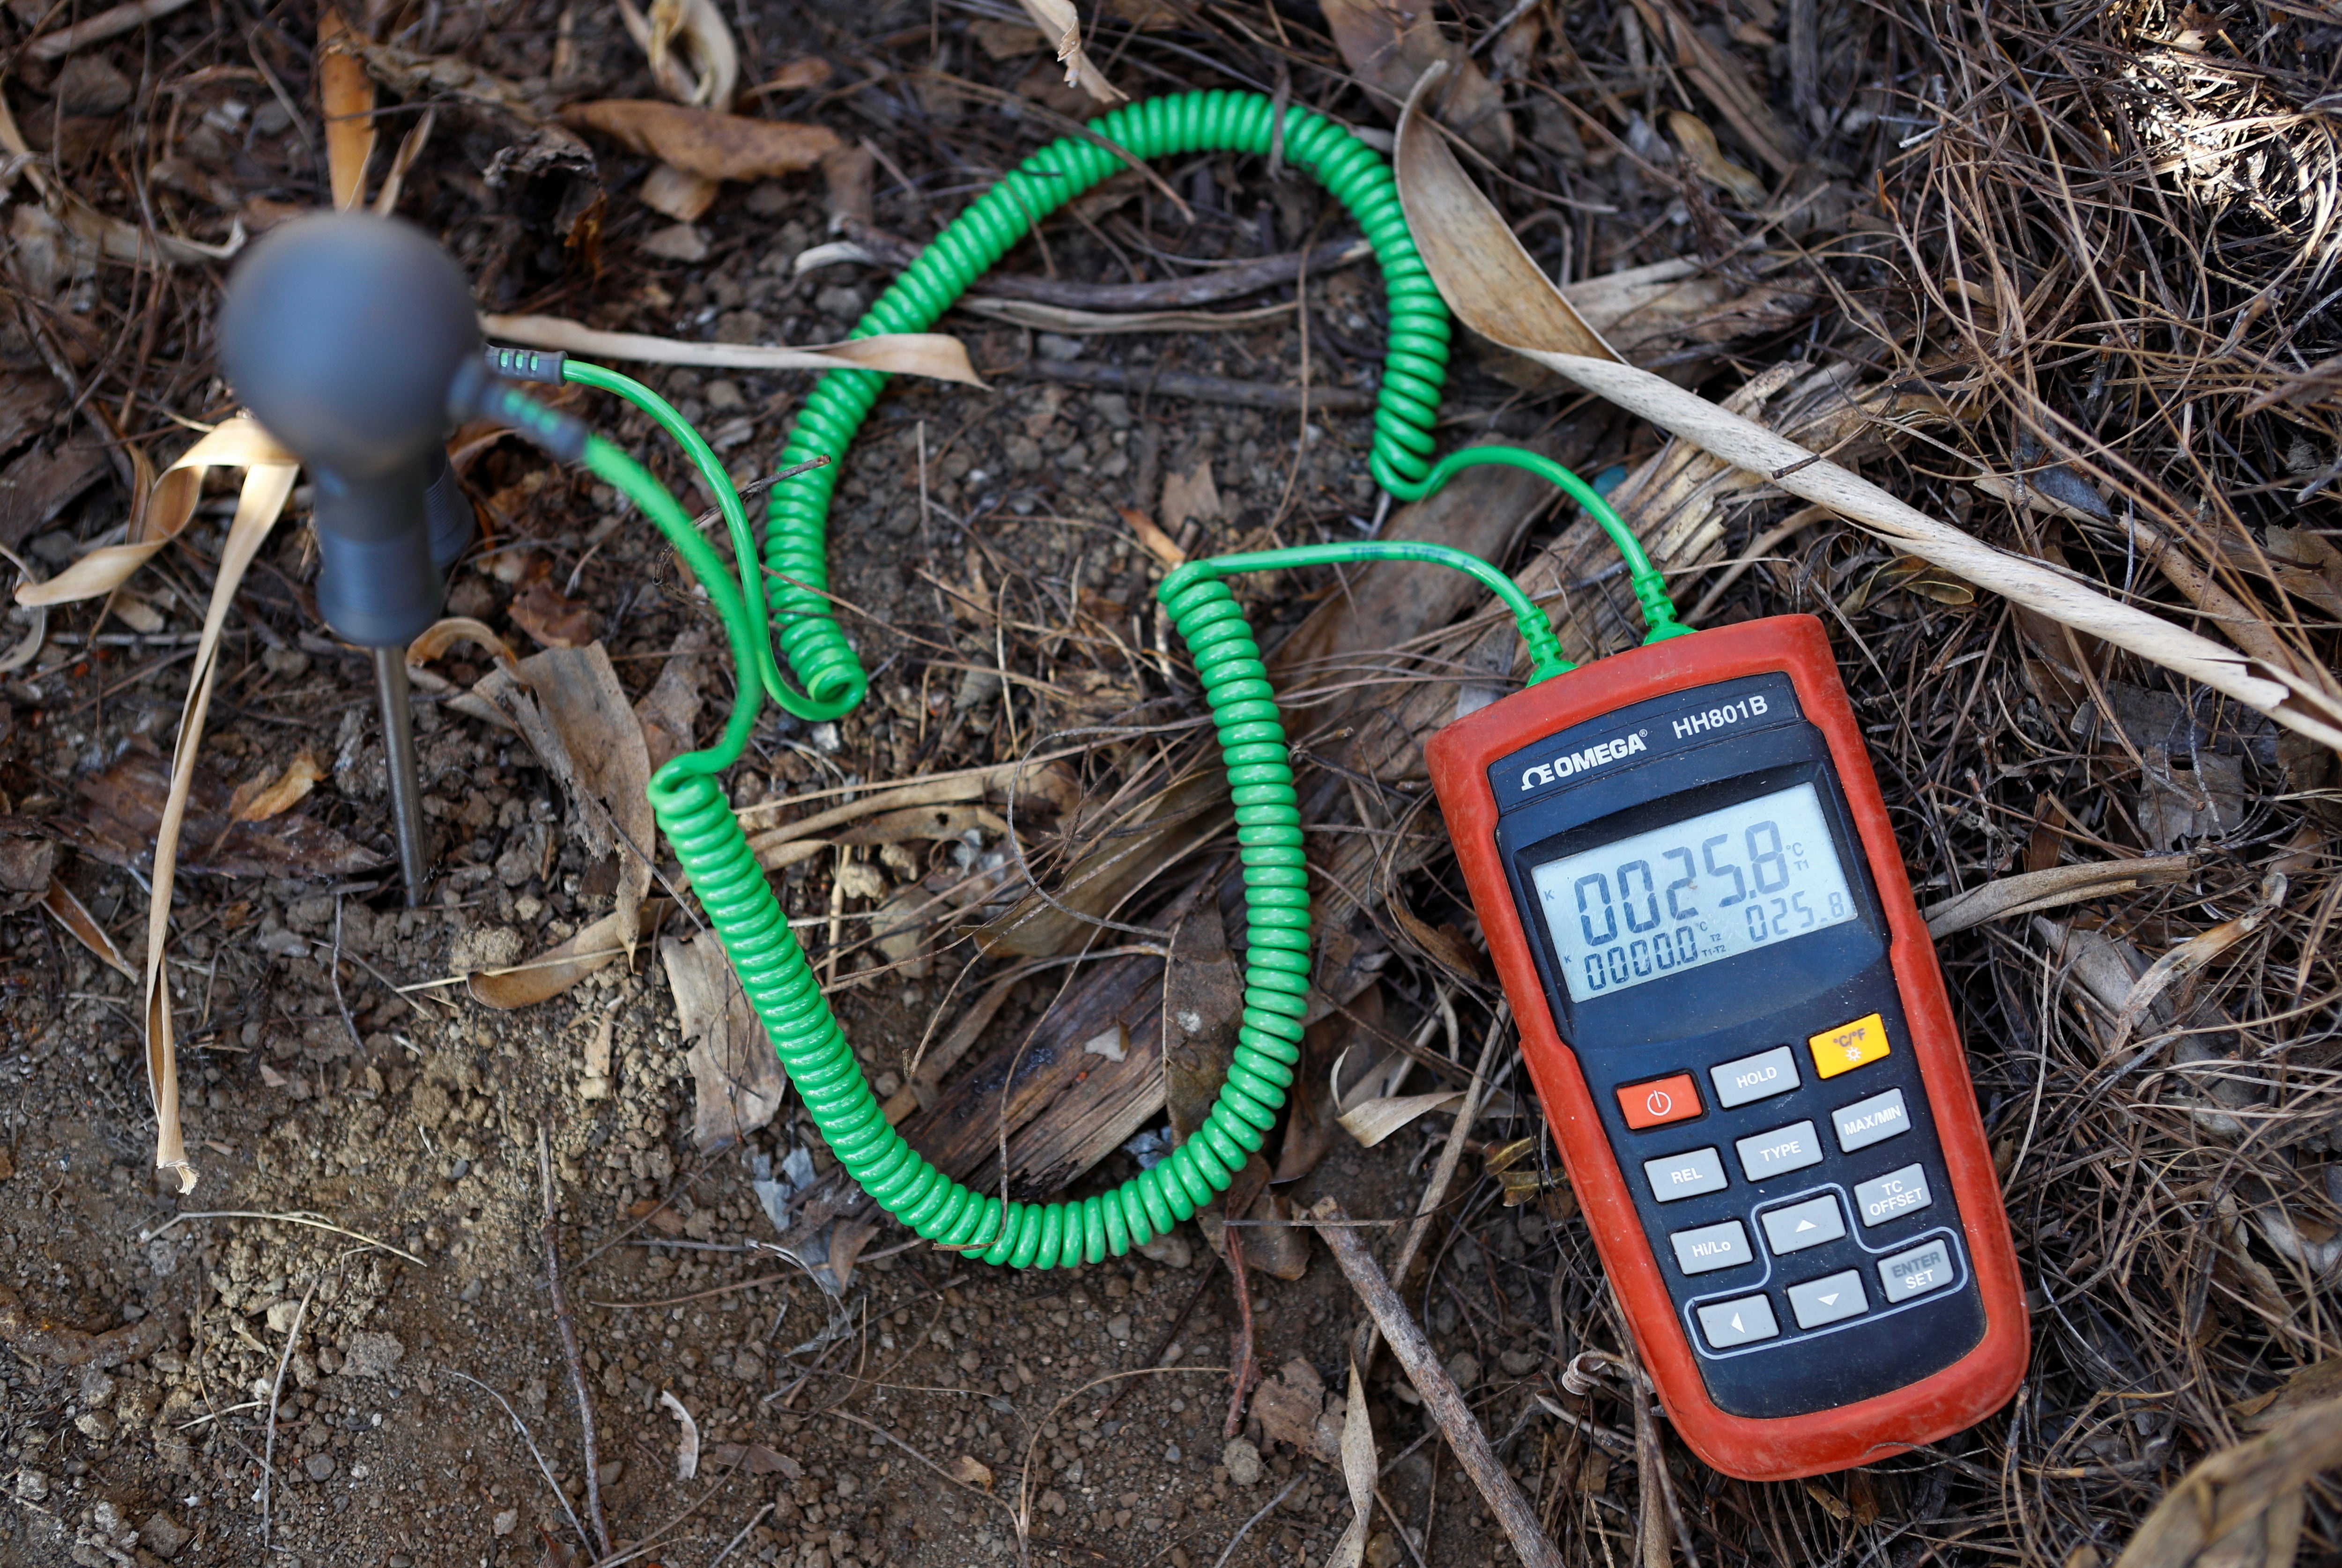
point(589, 1443)
point(1440, 1394)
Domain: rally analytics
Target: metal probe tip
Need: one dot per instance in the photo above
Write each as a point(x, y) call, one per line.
point(398, 748)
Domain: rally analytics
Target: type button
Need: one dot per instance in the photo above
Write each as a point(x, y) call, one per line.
point(1765, 1156)
point(1656, 1103)
point(1849, 1046)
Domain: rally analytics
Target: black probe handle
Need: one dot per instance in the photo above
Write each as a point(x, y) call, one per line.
point(344, 335)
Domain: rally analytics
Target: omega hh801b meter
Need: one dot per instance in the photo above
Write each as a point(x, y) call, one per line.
point(1734, 1018)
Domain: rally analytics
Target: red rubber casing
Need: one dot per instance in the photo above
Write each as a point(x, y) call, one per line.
point(1752, 1448)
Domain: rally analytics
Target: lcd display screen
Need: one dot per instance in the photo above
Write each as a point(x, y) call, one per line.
point(1673, 898)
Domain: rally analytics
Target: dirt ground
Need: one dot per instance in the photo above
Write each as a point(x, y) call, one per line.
point(342, 1348)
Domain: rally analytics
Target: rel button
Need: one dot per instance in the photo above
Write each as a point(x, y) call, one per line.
point(1656, 1104)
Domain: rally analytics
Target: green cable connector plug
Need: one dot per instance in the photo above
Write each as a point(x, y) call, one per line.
point(1545, 649)
point(1659, 620)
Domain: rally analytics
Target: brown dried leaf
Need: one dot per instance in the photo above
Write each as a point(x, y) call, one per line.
point(1060, 21)
point(1288, 1405)
point(442, 634)
point(84, 929)
point(670, 707)
point(927, 353)
point(554, 621)
point(2049, 889)
point(1191, 495)
point(1392, 47)
point(259, 799)
point(970, 1471)
point(558, 968)
point(2242, 1507)
point(129, 803)
point(737, 1079)
point(800, 75)
point(1699, 143)
point(702, 142)
point(346, 93)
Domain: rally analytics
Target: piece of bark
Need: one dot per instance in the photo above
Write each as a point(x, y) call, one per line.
point(40, 484)
point(736, 1078)
point(64, 1347)
point(124, 810)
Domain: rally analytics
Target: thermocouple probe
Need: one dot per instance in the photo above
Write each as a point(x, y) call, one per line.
point(344, 335)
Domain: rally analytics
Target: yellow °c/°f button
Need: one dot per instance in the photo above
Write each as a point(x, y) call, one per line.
point(1849, 1046)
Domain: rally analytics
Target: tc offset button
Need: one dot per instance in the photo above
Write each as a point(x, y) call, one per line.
point(1655, 1105)
point(1871, 1121)
point(1818, 1302)
point(1893, 1195)
point(1755, 1078)
point(1684, 1175)
point(1742, 1321)
point(1765, 1156)
point(1917, 1272)
point(1803, 1226)
point(1712, 1247)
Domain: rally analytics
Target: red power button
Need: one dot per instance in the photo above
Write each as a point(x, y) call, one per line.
point(1656, 1103)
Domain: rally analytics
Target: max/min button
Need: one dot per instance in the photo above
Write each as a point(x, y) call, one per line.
point(1655, 1105)
point(1871, 1121)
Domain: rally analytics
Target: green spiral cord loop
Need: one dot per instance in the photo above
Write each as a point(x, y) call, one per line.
point(722, 870)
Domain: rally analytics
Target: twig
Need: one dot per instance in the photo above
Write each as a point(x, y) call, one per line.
point(1245, 1529)
point(729, 1546)
point(293, 1218)
point(275, 1396)
point(693, 1296)
point(534, 1452)
point(1450, 1156)
point(1440, 1395)
point(568, 1322)
point(1243, 1371)
point(333, 975)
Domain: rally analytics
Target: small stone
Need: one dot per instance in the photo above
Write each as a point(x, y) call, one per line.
point(320, 1466)
point(372, 1354)
point(95, 1425)
point(837, 300)
point(56, 548)
point(503, 1523)
point(1171, 1455)
point(97, 1387)
point(1054, 347)
point(164, 1536)
point(1170, 1249)
point(1465, 1368)
point(282, 945)
point(848, 1483)
point(1518, 1363)
point(677, 242)
point(106, 1518)
point(1118, 1327)
point(722, 396)
point(485, 948)
point(283, 1315)
point(31, 1486)
point(1243, 1460)
point(290, 662)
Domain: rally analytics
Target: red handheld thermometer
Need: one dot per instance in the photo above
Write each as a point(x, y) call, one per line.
point(1733, 1017)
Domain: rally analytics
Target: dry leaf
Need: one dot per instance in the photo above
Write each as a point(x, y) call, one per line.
point(1059, 20)
point(157, 515)
point(1360, 1468)
point(558, 968)
point(802, 74)
point(681, 195)
point(2061, 885)
point(737, 1079)
point(113, 238)
point(83, 928)
point(714, 70)
point(670, 707)
point(2242, 1507)
point(124, 807)
point(554, 622)
point(1102, 323)
point(105, 24)
point(925, 353)
point(755, 1459)
point(1495, 288)
point(346, 93)
point(445, 634)
point(1391, 45)
point(687, 1454)
point(716, 146)
point(970, 1471)
point(263, 798)
point(568, 703)
point(1159, 543)
point(410, 147)
point(1699, 143)
point(1192, 494)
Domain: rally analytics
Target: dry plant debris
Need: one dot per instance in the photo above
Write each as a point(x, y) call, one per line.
point(2060, 280)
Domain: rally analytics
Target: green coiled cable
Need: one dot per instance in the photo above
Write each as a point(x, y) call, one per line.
point(709, 844)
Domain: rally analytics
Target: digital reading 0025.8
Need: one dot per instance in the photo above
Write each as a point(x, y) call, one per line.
point(1677, 898)
point(1734, 1018)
